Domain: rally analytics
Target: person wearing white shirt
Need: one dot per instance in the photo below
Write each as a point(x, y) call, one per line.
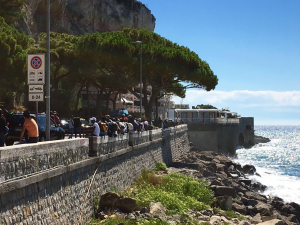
point(96, 131)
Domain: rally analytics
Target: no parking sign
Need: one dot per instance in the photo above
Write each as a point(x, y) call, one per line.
point(36, 77)
point(36, 69)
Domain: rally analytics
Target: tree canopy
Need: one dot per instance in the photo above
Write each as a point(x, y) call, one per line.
point(110, 62)
point(13, 58)
point(10, 10)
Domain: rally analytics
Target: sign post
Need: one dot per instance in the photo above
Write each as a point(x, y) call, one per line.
point(36, 79)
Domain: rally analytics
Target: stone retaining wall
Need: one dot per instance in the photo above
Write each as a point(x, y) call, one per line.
point(20, 160)
point(57, 196)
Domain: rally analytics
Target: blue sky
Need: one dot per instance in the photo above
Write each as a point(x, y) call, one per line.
point(253, 46)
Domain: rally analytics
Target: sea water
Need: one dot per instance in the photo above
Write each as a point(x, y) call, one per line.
point(277, 162)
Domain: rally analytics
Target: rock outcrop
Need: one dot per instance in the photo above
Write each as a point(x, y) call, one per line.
point(78, 17)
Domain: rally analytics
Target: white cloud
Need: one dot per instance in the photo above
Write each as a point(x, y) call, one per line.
point(243, 98)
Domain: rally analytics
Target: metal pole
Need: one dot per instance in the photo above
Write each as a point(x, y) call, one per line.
point(48, 75)
point(37, 111)
point(141, 81)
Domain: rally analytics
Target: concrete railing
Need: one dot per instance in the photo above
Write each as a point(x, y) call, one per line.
point(18, 161)
point(104, 145)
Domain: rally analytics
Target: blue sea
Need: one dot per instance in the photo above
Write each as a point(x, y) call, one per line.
point(278, 161)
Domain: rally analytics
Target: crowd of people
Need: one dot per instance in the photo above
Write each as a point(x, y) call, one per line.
point(113, 127)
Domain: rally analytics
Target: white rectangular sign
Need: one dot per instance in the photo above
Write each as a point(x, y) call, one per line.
point(36, 68)
point(36, 97)
point(36, 88)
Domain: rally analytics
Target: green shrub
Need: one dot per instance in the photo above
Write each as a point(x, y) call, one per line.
point(231, 214)
point(176, 192)
point(161, 166)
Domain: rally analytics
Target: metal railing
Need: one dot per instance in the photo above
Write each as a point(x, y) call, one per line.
point(210, 120)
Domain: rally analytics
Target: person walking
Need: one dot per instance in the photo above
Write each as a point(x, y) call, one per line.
point(32, 129)
point(71, 127)
point(77, 126)
point(96, 130)
point(2, 128)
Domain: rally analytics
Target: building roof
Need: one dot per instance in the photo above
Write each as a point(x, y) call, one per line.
point(196, 110)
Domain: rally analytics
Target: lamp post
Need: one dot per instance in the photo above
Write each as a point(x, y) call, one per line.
point(48, 75)
point(141, 82)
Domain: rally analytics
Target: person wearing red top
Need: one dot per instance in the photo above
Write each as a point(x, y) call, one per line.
point(32, 129)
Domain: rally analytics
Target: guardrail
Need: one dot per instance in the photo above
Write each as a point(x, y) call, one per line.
point(210, 120)
point(105, 145)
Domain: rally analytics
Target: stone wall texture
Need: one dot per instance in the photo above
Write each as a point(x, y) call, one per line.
point(222, 138)
point(88, 16)
point(57, 196)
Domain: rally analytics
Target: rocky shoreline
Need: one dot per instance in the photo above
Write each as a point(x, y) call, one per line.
point(232, 189)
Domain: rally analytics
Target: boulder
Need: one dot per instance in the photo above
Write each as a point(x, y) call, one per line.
point(267, 218)
point(126, 204)
point(252, 195)
point(245, 181)
point(215, 220)
point(239, 208)
point(207, 173)
point(157, 210)
point(263, 209)
point(144, 210)
point(251, 202)
point(222, 190)
point(224, 202)
point(220, 167)
point(224, 160)
point(108, 200)
point(216, 182)
point(256, 219)
point(272, 222)
point(244, 222)
point(249, 169)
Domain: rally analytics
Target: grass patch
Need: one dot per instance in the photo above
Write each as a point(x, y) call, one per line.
point(231, 214)
point(161, 166)
point(176, 192)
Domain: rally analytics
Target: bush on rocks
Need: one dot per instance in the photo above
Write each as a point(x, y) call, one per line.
point(176, 192)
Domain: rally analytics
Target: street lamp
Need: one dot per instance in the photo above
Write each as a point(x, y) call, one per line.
point(48, 75)
point(141, 82)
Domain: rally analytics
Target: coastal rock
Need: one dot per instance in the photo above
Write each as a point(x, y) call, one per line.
point(249, 169)
point(260, 139)
point(267, 218)
point(80, 17)
point(224, 160)
point(247, 202)
point(222, 190)
point(244, 222)
point(252, 195)
point(239, 208)
point(157, 210)
point(245, 181)
point(224, 202)
point(126, 204)
point(272, 222)
point(215, 220)
point(256, 219)
point(108, 200)
point(263, 209)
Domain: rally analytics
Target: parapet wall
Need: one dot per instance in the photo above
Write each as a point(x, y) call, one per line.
point(56, 195)
point(222, 138)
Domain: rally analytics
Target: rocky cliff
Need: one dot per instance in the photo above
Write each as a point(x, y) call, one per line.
point(85, 16)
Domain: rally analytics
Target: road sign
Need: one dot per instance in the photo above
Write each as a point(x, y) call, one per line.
point(36, 97)
point(36, 88)
point(36, 69)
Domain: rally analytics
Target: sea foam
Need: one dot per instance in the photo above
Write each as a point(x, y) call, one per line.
point(278, 162)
